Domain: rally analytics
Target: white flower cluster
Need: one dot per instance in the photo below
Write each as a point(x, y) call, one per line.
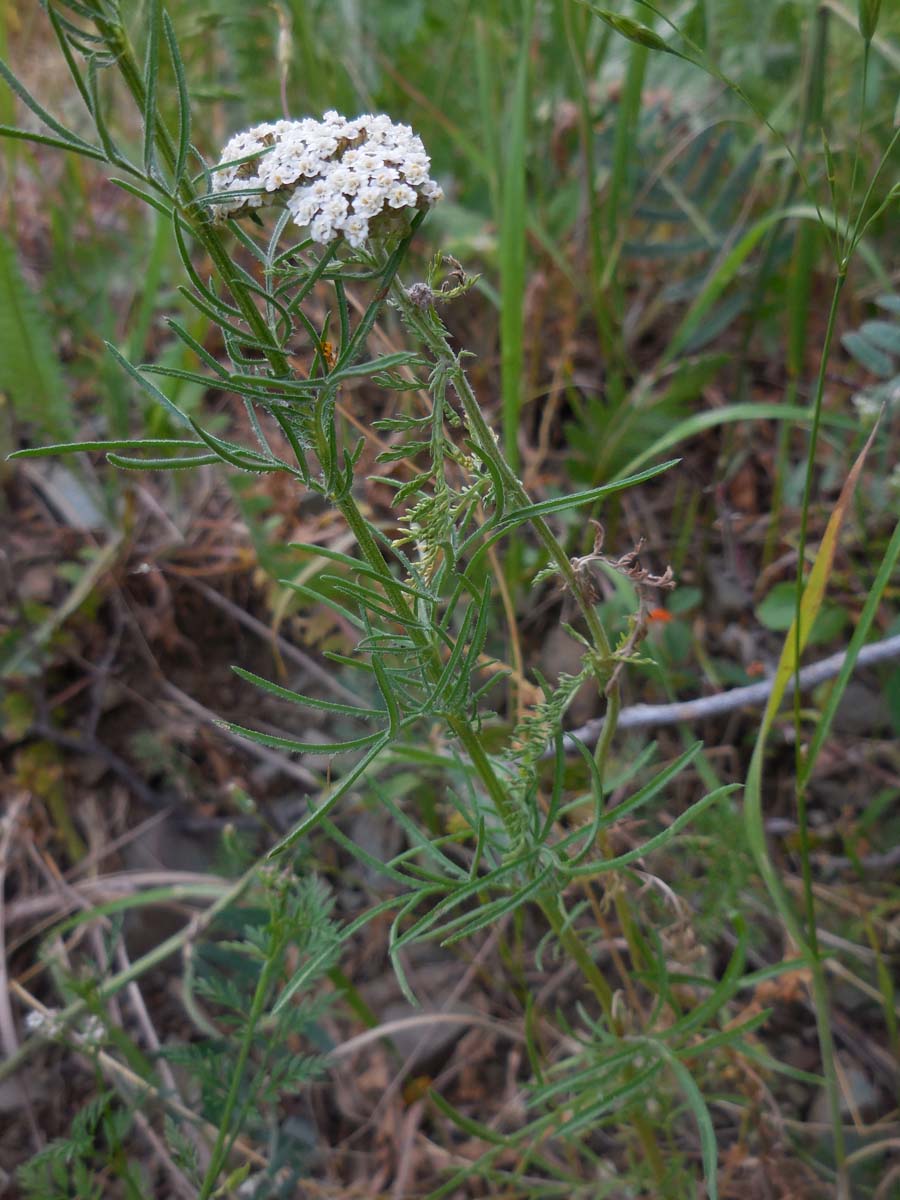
point(43, 1021)
point(336, 176)
point(47, 1023)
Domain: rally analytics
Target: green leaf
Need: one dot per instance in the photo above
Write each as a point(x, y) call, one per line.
point(123, 444)
point(634, 31)
point(70, 139)
point(883, 334)
point(146, 386)
point(45, 139)
point(162, 464)
point(726, 270)
point(546, 508)
point(295, 747)
point(869, 12)
point(184, 102)
point(640, 798)
point(875, 361)
point(275, 689)
point(400, 358)
point(697, 1105)
point(151, 76)
point(698, 423)
point(512, 247)
point(601, 866)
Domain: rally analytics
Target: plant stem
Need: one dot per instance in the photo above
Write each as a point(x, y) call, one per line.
point(222, 1147)
point(820, 986)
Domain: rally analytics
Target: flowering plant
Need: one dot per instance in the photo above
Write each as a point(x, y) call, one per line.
point(340, 178)
point(424, 604)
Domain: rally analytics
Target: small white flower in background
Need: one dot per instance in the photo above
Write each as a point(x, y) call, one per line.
point(44, 1023)
point(340, 178)
point(91, 1033)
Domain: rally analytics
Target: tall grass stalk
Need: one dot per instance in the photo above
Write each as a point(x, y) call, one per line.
point(513, 244)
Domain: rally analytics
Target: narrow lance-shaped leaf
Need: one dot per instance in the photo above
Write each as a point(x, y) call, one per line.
point(283, 693)
point(869, 14)
point(633, 30)
point(71, 139)
point(661, 839)
point(153, 392)
point(788, 665)
point(184, 103)
point(123, 444)
point(885, 573)
point(814, 592)
point(298, 747)
point(513, 248)
point(151, 76)
point(162, 464)
point(697, 1105)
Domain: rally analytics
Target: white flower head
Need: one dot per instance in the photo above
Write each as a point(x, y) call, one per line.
point(335, 207)
point(46, 1023)
point(401, 195)
point(369, 201)
point(356, 230)
point(322, 229)
point(335, 176)
point(91, 1033)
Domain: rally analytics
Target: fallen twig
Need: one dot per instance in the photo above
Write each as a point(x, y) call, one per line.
point(755, 694)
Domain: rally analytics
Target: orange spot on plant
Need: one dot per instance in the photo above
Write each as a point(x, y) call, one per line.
point(660, 614)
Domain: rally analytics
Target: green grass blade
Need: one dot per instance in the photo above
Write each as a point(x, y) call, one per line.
point(29, 368)
point(162, 464)
point(863, 625)
point(697, 1105)
point(512, 249)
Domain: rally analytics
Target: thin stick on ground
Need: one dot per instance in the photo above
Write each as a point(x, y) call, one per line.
point(639, 716)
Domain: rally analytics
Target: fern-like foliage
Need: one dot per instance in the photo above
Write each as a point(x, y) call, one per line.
point(68, 1168)
point(29, 368)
